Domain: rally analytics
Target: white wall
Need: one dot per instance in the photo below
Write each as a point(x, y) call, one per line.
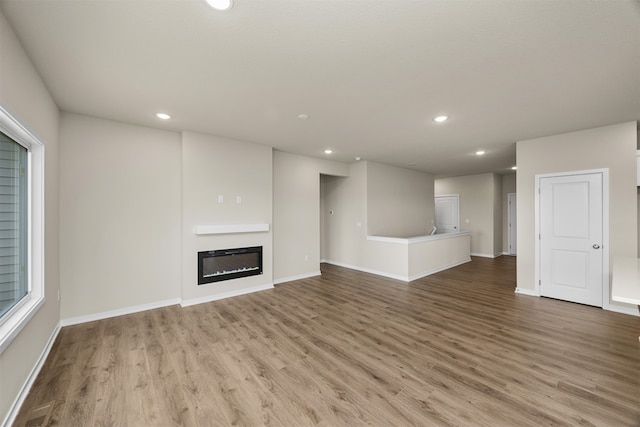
point(24, 95)
point(399, 201)
point(131, 198)
point(612, 147)
point(480, 209)
point(346, 229)
point(430, 256)
point(120, 215)
point(296, 213)
point(213, 166)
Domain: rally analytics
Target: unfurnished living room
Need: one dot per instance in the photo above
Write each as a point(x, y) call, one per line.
point(319, 213)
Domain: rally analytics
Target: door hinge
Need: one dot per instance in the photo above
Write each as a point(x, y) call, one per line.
point(539, 236)
point(539, 282)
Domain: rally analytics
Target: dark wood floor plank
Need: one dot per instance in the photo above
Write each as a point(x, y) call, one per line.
point(457, 348)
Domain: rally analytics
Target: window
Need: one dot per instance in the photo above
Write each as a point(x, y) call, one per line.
point(13, 225)
point(21, 227)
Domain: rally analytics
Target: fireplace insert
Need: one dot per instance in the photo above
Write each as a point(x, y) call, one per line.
point(227, 264)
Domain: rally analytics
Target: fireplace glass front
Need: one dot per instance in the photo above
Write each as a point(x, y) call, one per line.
point(227, 264)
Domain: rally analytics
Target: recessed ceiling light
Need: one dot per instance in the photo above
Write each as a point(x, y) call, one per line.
point(328, 151)
point(480, 152)
point(221, 5)
point(358, 158)
point(163, 116)
point(513, 168)
point(440, 119)
point(303, 116)
point(412, 164)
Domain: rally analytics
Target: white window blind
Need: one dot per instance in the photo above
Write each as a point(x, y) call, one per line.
point(13, 224)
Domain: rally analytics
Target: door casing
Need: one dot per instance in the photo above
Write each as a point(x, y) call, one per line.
point(512, 235)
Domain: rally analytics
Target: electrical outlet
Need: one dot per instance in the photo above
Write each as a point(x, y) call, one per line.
point(220, 198)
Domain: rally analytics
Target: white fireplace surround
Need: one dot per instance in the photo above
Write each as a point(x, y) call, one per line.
point(230, 229)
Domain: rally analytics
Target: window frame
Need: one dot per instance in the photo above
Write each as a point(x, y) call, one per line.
point(19, 315)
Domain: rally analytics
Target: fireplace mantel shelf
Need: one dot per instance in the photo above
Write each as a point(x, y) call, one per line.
point(231, 228)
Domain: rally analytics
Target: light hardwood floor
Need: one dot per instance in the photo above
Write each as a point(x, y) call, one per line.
point(458, 348)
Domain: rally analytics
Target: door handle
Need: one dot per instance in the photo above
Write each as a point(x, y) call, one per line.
point(596, 246)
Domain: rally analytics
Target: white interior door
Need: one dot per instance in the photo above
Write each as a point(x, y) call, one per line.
point(571, 238)
point(447, 213)
point(512, 227)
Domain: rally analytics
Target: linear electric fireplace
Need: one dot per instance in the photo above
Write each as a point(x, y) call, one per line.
point(227, 264)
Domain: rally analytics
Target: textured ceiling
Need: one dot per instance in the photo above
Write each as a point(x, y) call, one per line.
point(370, 74)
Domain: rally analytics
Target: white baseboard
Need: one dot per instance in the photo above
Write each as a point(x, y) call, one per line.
point(397, 276)
point(368, 270)
point(159, 304)
point(483, 255)
point(118, 312)
point(298, 277)
point(633, 311)
point(617, 308)
point(529, 292)
point(24, 392)
point(436, 270)
point(223, 295)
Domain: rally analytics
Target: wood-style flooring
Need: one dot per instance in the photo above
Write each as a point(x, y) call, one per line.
point(458, 348)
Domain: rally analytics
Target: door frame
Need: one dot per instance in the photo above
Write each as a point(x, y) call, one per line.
point(606, 262)
point(512, 233)
point(457, 197)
